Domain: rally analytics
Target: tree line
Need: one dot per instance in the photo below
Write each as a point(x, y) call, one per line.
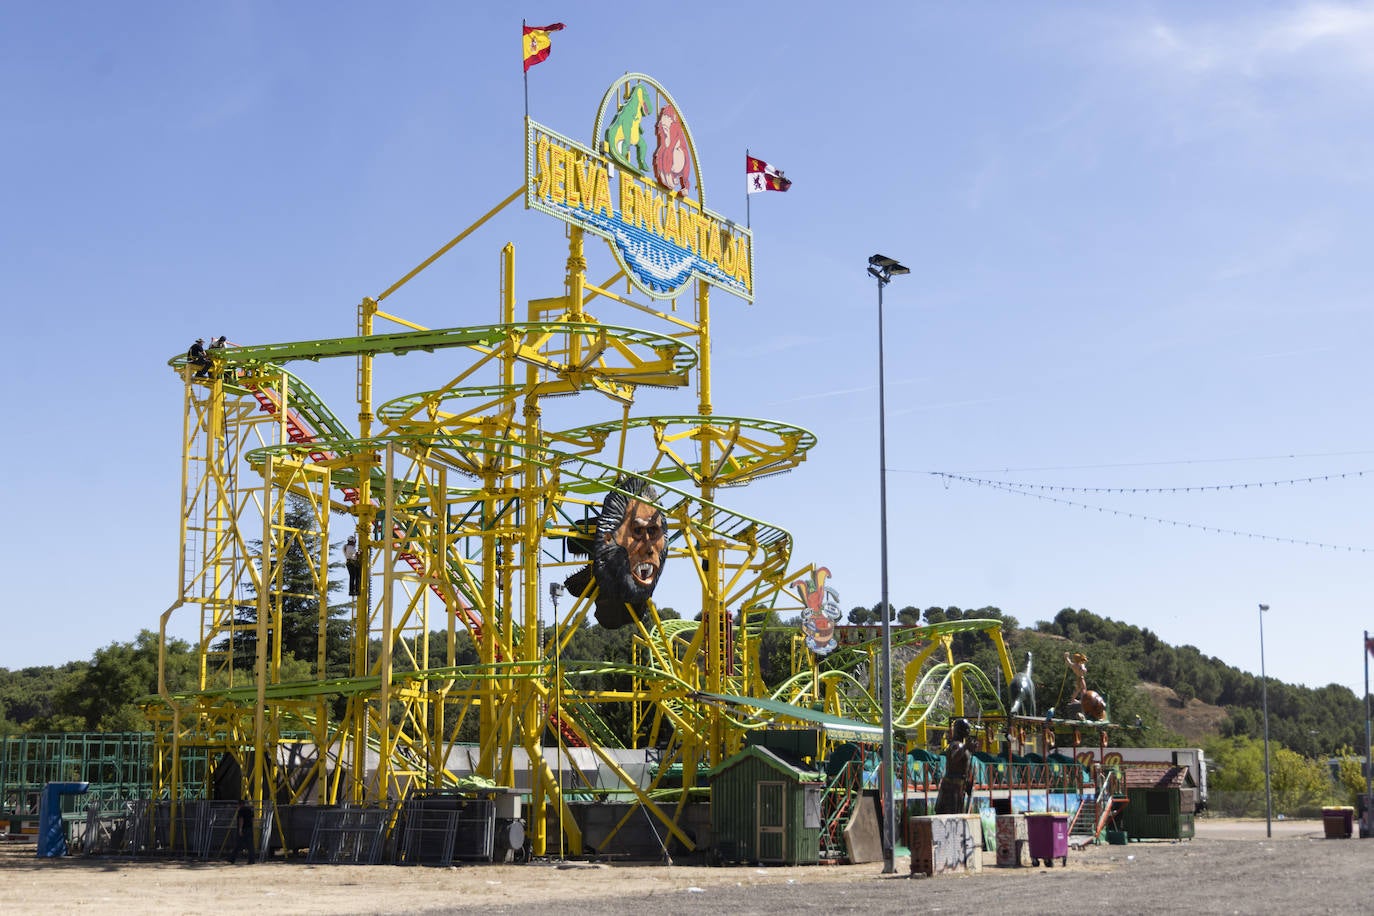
point(103, 693)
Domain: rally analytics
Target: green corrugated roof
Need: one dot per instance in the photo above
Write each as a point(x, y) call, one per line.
point(835, 726)
point(801, 774)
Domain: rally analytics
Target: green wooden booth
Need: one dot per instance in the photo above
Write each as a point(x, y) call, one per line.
point(1155, 809)
point(766, 810)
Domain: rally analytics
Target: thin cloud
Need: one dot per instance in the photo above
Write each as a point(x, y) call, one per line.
point(1288, 248)
point(946, 405)
point(1330, 36)
point(822, 395)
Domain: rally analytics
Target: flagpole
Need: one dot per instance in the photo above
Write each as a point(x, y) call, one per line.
point(523, 25)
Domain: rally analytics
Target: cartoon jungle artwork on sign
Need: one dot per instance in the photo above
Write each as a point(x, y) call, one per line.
point(640, 188)
point(822, 611)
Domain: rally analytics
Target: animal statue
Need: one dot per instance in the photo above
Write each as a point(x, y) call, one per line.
point(1023, 692)
point(624, 133)
point(672, 157)
point(627, 549)
point(1094, 708)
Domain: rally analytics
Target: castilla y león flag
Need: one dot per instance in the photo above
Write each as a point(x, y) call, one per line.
point(535, 44)
point(763, 177)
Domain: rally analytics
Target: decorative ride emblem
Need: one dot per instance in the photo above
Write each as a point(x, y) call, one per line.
point(822, 611)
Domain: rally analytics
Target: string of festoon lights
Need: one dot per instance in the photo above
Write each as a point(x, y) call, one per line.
point(1043, 491)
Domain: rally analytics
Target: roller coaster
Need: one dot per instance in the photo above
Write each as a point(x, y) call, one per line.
point(464, 498)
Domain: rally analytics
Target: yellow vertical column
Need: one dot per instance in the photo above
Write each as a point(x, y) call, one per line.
point(576, 282)
point(216, 527)
point(713, 611)
point(433, 708)
point(533, 716)
point(385, 731)
point(495, 591)
point(356, 726)
point(491, 602)
point(532, 720)
point(173, 771)
point(269, 543)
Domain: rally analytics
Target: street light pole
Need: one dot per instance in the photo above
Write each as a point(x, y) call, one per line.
point(556, 590)
point(883, 269)
point(1264, 703)
point(1368, 743)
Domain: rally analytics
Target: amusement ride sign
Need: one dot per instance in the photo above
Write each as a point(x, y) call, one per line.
point(648, 205)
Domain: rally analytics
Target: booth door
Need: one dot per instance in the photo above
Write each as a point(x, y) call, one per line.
point(772, 810)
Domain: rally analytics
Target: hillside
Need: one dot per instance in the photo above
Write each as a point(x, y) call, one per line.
point(1186, 692)
point(1194, 720)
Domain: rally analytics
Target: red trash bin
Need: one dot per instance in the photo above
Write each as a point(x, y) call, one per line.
point(1047, 835)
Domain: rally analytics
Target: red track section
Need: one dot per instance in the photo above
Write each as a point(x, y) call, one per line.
point(297, 431)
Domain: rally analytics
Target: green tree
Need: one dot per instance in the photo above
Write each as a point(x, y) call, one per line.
point(27, 694)
point(106, 694)
point(595, 643)
point(295, 591)
point(1350, 781)
point(876, 612)
point(1235, 776)
point(1300, 784)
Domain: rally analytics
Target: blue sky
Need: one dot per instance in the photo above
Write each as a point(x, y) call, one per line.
point(1138, 236)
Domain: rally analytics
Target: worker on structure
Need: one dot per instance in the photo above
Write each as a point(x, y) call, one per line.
point(352, 563)
point(218, 343)
point(196, 357)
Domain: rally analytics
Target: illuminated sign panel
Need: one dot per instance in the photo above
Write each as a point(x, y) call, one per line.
point(649, 208)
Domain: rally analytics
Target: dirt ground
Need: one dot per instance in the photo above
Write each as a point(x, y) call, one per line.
point(1231, 867)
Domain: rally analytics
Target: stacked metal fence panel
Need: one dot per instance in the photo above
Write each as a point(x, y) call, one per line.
point(440, 826)
point(350, 836)
point(429, 836)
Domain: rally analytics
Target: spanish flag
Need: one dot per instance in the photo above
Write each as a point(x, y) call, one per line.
point(534, 43)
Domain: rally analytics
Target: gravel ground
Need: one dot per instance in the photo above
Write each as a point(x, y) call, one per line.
point(1232, 867)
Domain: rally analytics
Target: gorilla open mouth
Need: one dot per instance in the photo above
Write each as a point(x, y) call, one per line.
point(644, 574)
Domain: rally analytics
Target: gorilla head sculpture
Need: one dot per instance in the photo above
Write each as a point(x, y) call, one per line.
point(627, 551)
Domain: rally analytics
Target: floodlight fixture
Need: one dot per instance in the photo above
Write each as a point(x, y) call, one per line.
point(883, 269)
